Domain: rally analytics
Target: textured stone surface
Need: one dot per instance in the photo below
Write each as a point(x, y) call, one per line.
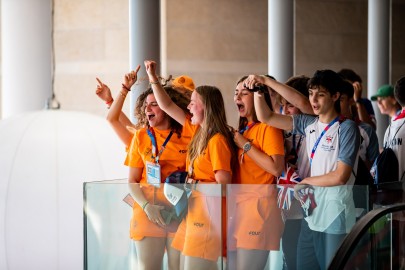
point(215, 42)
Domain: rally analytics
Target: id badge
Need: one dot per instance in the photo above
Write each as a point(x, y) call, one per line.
point(153, 173)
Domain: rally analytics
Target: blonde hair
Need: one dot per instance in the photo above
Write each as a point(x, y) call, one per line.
point(214, 122)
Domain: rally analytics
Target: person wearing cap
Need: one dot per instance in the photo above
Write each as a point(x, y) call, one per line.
point(394, 138)
point(156, 145)
point(387, 104)
point(183, 81)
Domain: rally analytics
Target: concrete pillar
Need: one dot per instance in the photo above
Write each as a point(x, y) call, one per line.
point(144, 42)
point(281, 39)
point(26, 28)
point(379, 55)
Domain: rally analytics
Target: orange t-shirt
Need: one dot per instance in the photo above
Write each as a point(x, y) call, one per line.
point(217, 156)
point(172, 159)
point(267, 139)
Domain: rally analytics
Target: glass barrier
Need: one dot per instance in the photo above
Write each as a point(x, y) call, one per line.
point(377, 240)
point(218, 227)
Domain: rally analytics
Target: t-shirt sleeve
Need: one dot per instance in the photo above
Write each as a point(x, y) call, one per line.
point(349, 142)
point(273, 141)
point(300, 123)
point(189, 129)
point(220, 154)
point(134, 159)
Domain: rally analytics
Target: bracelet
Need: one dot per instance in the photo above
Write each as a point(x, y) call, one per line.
point(152, 82)
point(144, 205)
point(109, 103)
point(124, 95)
point(125, 87)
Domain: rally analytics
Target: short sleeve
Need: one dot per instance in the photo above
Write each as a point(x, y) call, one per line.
point(349, 142)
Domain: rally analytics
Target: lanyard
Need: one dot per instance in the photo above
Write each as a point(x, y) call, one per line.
point(155, 154)
point(319, 138)
point(247, 127)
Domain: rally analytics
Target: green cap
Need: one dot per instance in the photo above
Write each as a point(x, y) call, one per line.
point(384, 91)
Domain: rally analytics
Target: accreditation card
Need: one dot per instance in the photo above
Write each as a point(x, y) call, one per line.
point(153, 173)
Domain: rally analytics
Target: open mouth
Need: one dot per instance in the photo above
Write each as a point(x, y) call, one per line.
point(241, 107)
point(150, 116)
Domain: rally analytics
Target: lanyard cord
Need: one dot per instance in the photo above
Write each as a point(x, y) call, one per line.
point(241, 131)
point(155, 154)
point(319, 138)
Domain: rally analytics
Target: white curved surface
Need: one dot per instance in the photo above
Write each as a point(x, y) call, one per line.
point(45, 156)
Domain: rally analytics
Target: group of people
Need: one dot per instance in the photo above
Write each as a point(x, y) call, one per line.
point(318, 128)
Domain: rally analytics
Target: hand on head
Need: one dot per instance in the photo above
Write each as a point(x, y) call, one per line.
point(357, 90)
point(253, 80)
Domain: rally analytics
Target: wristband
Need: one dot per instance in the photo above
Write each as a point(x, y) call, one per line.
point(125, 87)
point(144, 205)
point(152, 82)
point(109, 103)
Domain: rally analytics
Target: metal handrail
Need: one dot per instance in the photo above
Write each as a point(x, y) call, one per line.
point(352, 239)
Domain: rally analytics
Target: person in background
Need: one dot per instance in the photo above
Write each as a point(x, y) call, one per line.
point(261, 155)
point(386, 101)
point(362, 107)
point(295, 146)
point(395, 133)
point(210, 160)
point(332, 146)
point(393, 138)
point(369, 142)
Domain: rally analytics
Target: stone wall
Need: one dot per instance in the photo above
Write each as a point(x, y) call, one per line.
point(215, 42)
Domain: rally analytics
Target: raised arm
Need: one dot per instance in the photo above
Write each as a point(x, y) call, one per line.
point(267, 116)
point(117, 119)
point(162, 98)
point(360, 107)
point(290, 94)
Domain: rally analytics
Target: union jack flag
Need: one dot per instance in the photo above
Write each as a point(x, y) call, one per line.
point(285, 187)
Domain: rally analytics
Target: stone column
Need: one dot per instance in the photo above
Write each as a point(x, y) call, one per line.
point(26, 29)
point(281, 39)
point(379, 55)
point(144, 41)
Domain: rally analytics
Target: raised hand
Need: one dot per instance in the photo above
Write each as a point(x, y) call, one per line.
point(131, 78)
point(103, 92)
point(150, 67)
point(253, 80)
point(357, 90)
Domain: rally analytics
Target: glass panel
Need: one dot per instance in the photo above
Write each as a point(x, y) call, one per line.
point(119, 234)
point(248, 220)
